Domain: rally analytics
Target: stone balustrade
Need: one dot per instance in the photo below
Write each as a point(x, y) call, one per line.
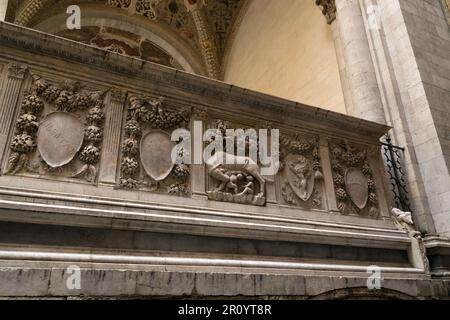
point(86, 146)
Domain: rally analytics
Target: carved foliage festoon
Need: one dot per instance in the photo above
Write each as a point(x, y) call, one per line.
point(353, 180)
point(146, 148)
point(301, 170)
point(48, 113)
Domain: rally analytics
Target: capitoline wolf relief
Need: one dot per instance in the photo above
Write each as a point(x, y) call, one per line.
point(59, 131)
point(234, 177)
point(301, 175)
point(353, 180)
point(146, 162)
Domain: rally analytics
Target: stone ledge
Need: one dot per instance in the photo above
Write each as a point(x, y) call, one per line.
point(438, 252)
point(127, 282)
point(184, 221)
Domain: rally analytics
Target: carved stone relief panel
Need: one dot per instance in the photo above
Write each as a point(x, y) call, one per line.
point(146, 162)
point(234, 177)
point(353, 180)
point(301, 178)
point(59, 131)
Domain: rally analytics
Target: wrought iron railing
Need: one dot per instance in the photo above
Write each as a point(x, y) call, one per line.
point(393, 158)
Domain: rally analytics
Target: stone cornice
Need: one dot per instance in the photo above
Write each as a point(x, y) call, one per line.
point(216, 95)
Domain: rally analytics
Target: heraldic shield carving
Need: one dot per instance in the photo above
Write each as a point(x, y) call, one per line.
point(60, 137)
point(357, 187)
point(300, 175)
point(156, 150)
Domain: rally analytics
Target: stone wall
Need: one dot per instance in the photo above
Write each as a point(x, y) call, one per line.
point(430, 40)
point(285, 48)
point(410, 51)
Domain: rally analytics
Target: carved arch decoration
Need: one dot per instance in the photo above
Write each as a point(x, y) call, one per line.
point(362, 293)
point(203, 26)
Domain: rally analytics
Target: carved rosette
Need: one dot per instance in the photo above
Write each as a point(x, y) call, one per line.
point(146, 148)
point(146, 8)
point(44, 143)
point(301, 171)
point(353, 180)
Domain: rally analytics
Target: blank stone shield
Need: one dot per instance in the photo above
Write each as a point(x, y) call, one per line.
point(156, 150)
point(59, 138)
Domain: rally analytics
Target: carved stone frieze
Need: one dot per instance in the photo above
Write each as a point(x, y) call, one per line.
point(147, 147)
point(353, 180)
point(58, 121)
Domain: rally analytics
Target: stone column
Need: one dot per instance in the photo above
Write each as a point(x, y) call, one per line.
point(12, 86)
point(113, 132)
point(329, 11)
point(358, 77)
point(341, 64)
point(360, 70)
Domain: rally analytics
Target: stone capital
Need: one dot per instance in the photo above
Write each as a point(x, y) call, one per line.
point(118, 95)
point(328, 9)
point(17, 71)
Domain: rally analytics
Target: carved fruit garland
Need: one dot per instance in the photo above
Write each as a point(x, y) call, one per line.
point(93, 136)
point(152, 114)
point(24, 142)
point(130, 149)
point(66, 97)
point(344, 158)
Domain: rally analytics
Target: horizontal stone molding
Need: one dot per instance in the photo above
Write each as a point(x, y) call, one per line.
point(188, 220)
